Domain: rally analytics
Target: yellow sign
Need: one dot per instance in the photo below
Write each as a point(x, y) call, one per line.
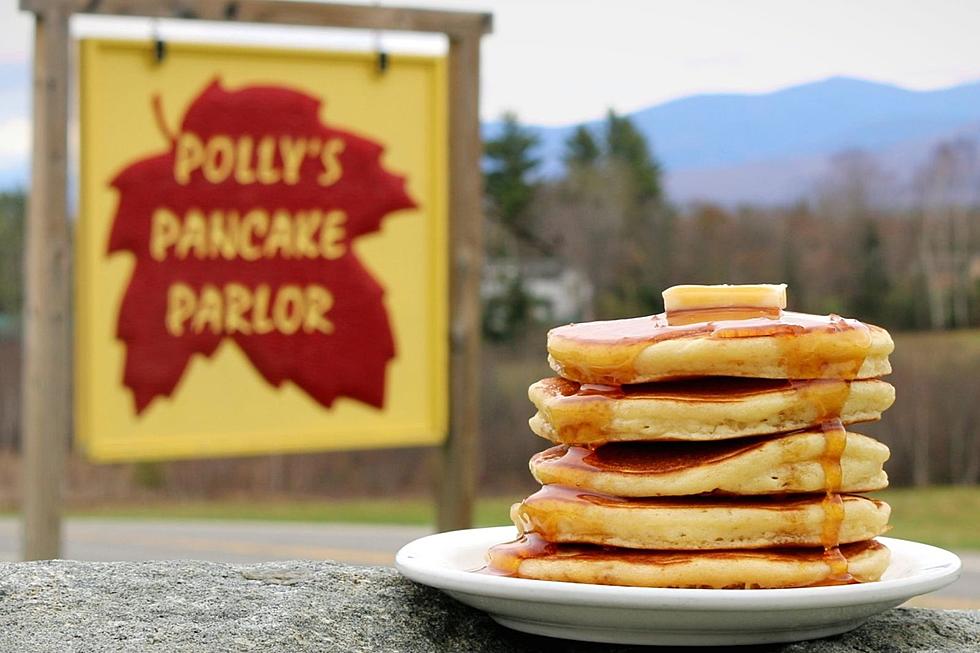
point(261, 255)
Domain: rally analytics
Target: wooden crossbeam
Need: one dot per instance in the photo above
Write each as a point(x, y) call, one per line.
point(283, 12)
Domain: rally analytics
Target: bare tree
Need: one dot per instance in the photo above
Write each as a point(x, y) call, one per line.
point(947, 186)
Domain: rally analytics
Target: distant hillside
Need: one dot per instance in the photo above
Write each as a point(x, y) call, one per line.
point(787, 179)
point(770, 147)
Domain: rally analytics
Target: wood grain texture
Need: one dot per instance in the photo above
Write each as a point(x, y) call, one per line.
point(459, 456)
point(284, 12)
point(46, 413)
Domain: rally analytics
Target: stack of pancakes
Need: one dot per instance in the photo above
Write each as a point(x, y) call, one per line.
point(707, 450)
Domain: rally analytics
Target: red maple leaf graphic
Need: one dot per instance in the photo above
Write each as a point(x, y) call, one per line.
point(243, 230)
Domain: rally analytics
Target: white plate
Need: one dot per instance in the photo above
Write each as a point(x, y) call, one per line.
point(646, 615)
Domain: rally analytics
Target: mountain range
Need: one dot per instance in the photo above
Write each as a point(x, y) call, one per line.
point(728, 148)
point(774, 147)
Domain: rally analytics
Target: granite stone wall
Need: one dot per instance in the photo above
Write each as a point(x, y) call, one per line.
point(295, 607)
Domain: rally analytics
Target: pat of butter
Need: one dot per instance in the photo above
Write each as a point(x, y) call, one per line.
point(694, 298)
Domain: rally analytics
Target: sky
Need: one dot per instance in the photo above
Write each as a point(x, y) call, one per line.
point(560, 62)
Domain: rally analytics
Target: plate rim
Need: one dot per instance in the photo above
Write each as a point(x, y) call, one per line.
point(559, 592)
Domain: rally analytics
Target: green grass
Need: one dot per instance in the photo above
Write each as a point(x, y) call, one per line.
point(489, 512)
point(944, 516)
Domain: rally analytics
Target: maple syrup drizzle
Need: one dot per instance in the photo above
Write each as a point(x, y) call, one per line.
point(505, 559)
point(553, 493)
point(544, 520)
point(699, 389)
point(582, 413)
point(643, 458)
point(549, 511)
point(835, 441)
point(613, 345)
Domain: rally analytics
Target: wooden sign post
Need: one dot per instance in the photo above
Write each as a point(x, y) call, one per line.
point(48, 357)
point(46, 385)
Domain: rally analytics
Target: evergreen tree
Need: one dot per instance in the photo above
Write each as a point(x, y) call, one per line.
point(510, 189)
point(643, 264)
point(626, 145)
point(873, 284)
point(510, 165)
point(581, 150)
point(623, 233)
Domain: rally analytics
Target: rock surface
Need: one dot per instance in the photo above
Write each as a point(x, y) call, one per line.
point(321, 606)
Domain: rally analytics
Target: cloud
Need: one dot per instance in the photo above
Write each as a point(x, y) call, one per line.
point(16, 33)
point(15, 139)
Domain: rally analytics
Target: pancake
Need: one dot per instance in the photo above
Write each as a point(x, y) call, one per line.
point(698, 409)
point(531, 557)
point(790, 463)
point(560, 514)
point(792, 346)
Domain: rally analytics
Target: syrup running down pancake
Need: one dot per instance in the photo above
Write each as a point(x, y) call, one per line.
point(560, 514)
point(788, 346)
point(533, 557)
point(790, 463)
point(698, 409)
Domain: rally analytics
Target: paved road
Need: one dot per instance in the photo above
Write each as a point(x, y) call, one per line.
point(237, 541)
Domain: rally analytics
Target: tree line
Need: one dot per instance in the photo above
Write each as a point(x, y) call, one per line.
point(11, 258)
point(849, 248)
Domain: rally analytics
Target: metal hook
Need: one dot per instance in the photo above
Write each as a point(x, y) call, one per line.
point(159, 45)
point(382, 59)
point(159, 50)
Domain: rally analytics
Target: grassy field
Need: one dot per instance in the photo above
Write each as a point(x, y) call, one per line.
point(944, 516)
point(417, 511)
